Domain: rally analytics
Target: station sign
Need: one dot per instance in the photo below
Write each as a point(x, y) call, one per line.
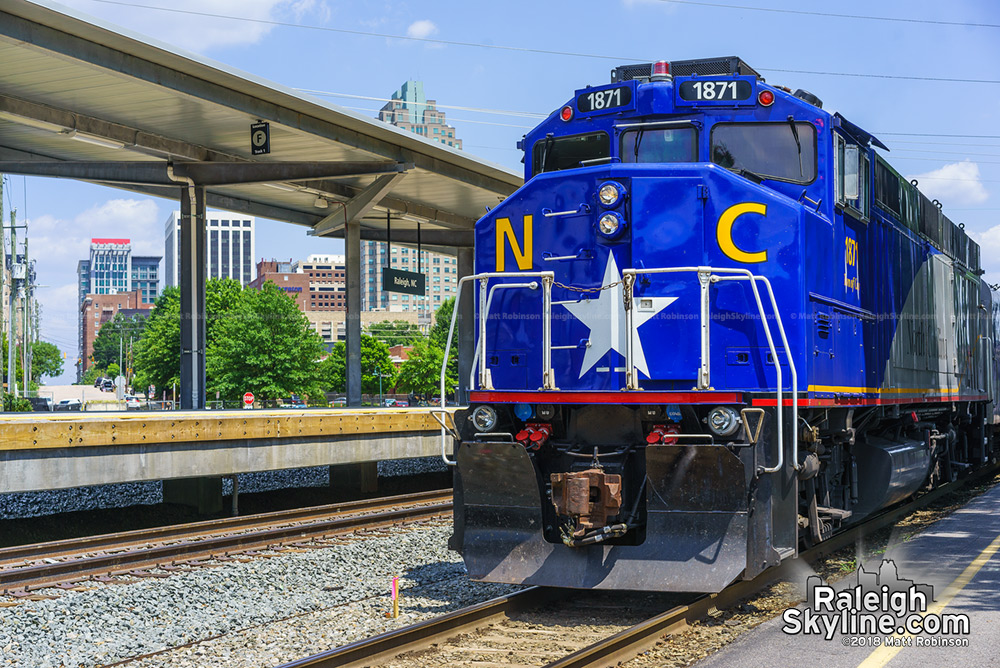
point(407, 282)
point(260, 138)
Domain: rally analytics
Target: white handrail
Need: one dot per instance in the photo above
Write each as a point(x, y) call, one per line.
point(547, 278)
point(705, 276)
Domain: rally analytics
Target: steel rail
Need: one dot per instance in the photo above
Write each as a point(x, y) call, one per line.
point(10, 556)
point(117, 563)
point(618, 647)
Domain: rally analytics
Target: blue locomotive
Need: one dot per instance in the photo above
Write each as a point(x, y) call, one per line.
point(712, 326)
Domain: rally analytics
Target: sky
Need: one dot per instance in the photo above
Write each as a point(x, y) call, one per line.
point(919, 75)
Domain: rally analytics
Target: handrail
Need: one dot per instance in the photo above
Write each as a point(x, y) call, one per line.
point(547, 279)
point(706, 276)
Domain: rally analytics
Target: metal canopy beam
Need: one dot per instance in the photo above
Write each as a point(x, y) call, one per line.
point(202, 173)
point(202, 83)
point(357, 207)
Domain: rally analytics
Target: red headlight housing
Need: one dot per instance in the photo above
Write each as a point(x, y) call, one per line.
point(766, 98)
point(567, 113)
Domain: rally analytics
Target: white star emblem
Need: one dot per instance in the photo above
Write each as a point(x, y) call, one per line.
point(605, 317)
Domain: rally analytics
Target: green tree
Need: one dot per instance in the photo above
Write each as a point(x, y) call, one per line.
point(395, 332)
point(114, 370)
point(439, 337)
point(91, 375)
point(374, 359)
point(421, 373)
point(263, 344)
point(46, 360)
point(442, 321)
point(157, 356)
point(112, 341)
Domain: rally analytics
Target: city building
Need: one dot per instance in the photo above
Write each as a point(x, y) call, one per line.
point(112, 269)
point(441, 272)
point(331, 328)
point(230, 247)
point(326, 281)
point(97, 309)
point(286, 278)
point(409, 109)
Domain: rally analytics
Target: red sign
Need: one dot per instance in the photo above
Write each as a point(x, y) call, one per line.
point(248, 398)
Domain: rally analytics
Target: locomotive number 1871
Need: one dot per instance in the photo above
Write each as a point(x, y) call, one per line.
point(607, 99)
point(730, 90)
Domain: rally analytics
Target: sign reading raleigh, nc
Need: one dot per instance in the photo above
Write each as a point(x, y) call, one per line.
point(408, 282)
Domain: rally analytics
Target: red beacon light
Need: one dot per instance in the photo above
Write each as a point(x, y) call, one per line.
point(766, 98)
point(661, 71)
point(567, 113)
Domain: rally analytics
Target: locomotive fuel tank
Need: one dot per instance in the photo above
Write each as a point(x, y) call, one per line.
point(889, 471)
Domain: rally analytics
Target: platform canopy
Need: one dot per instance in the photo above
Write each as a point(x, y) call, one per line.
point(73, 88)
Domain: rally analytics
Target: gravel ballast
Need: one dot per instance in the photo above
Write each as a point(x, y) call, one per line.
point(343, 589)
point(123, 495)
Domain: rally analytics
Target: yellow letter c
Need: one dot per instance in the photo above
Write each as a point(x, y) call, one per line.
point(724, 232)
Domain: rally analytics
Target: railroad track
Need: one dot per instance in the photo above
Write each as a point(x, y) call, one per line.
point(70, 563)
point(514, 622)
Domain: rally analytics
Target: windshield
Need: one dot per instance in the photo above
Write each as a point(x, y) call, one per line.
point(555, 153)
point(781, 151)
point(660, 145)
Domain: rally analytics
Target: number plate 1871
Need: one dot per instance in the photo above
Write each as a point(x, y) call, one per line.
point(730, 90)
point(609, 99)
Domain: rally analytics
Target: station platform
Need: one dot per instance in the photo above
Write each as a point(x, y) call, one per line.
point(957, 556)
point(63, 450)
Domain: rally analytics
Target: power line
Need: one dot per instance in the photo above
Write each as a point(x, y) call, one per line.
point(520, 49)
point(860, 17)
point(933, 134)
point(498, 112)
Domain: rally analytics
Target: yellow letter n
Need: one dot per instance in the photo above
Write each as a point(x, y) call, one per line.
point(505, 229)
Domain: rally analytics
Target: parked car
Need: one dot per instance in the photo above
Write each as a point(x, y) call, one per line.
point(69, 405)
point(99, 383)
point(41, 403)
point(402, 403)
point(389, 402)
point(132, 403)
point(107, 385)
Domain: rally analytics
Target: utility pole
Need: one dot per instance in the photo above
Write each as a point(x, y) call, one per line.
point(11, 370)
point(3, 270)
point(26, 313)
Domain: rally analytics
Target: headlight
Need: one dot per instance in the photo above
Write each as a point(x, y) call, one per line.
point(723, 421)
point(484, 418)
point(610, 224)
point(609, 193)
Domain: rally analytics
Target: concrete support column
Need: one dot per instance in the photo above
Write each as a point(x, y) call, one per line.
point(466, 323)
point(192, 282)
point(202, 494)
point(355, 478)
point(352, 249)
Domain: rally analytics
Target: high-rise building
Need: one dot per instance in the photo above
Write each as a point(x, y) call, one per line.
point(230, 247)
point(111, 269)
point(410, 109)
point(441, 272)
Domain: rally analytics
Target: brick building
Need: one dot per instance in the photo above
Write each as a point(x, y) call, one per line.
point(95, 310)
point(283, 276)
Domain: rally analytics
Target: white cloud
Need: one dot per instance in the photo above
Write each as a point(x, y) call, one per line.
point(422, 29)
point(989, 252)
point(957, 184)
point(197, 32)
